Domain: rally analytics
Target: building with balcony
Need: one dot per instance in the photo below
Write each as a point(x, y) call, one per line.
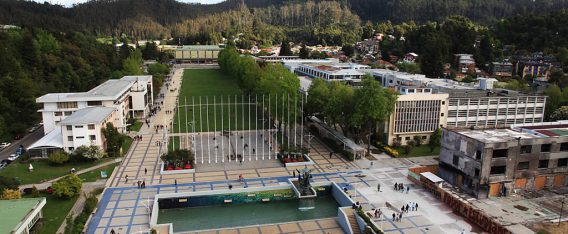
point(498, 161)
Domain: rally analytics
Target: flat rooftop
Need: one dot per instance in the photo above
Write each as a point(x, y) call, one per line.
point(497, 135)
point(524, 131)
point(13, 212)
point(546, 129)
point(89, 115)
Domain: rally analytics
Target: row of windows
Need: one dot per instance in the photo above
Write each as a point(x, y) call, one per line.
point(527, 149)
point(495, 112)
point(63, 113)
point(542, 164)
point(91, 137)
point(495, 101)
point(66, 105)
point(89, 126)
point(492, 122)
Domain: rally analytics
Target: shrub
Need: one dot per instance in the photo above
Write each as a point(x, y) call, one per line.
point(87, 153)
point(179, 155)
point(59, 158)
point(67, 187)
point(8, 183)
point(9, 194)
point(390, 151)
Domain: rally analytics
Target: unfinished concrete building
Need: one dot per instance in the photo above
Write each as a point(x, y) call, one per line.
point(496, 162)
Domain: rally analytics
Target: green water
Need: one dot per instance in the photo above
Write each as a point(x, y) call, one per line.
point(223, 216)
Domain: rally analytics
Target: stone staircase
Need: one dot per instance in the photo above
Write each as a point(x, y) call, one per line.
point(352, 220)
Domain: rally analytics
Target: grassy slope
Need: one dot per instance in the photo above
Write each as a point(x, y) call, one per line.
point(43, 170)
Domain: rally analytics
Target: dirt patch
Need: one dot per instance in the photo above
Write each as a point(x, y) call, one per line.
point(552, 228)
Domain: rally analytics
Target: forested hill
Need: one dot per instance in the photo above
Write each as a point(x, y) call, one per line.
point(161, 18)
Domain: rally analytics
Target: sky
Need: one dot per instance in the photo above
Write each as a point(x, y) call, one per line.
point(69, 3)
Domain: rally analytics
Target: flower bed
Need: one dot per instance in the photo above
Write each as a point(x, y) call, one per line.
point(177, 162)
point(390, 151)
point(294, 159)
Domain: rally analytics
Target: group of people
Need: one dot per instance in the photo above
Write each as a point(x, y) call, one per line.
point(411, 206)
point(138, 138)
point(159, 143)
point(400, 187)
point(377, 213)
point(141, 184)
point(158, 127)
point(169, 111)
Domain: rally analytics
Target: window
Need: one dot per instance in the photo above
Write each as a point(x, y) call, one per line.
point(562, 162)
point(500, 153)
point(66, 105)
point(443, 102)
point(476, 172)
point(71, 148)
point(498, 170)
point(407, 138)
point(94, 103)
point(543, 163)
point(456, 160)
point(478, 154)
point(91, 126)
point(442, 114)
point(526, 149)
point(70, 138)
point(545, 148)
point(78, 126)
point(424, 137)
point(564, 146)
point(523, 166)
point(80, 137)
point(92, 137)
point(58, 113)
point(68, 113)
point(69, 127)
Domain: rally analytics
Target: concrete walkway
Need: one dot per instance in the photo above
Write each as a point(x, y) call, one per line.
point(44, 185)
point(80, 203)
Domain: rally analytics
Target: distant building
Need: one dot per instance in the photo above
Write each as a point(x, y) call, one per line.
point(20, 215)
point(197, 53)
point(410, 57)
point(537, 69)
point(502, 69)
point(495, 162)
point(465, 63)
point(5, 27)
point(369, 46)
point(277, 59)
point(348, 72)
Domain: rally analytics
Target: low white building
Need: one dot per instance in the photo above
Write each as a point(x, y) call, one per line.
point(83, 128)
point(350, 72)
point(20, 215)
point(131, 96)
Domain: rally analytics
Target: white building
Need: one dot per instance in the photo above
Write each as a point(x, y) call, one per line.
point(459, 105)
point(350, 72)
point(83, 128)
point(131, 96)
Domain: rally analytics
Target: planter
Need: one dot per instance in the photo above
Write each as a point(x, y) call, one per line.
point(295, 160)
point(170, 170)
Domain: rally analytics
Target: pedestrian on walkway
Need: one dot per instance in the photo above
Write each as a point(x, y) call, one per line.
point(145, 171)
point(176, 182)
point(379, 187)
point(144, 184)
point(293, 174)
point(330, 154)
point(406, 208)
point(126, 178)
point(139, 183)
point(416, 206)
point(112, 231)
point(407, 188)
point(230, 186)
point(395, 186)
point(400, 217)
point(393, 217)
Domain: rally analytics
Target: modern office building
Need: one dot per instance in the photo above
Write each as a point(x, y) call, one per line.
point(131, 96)
point(349, 72)
point(460, 105)
point(20, 215)
point(499, 161)
point(197, 53)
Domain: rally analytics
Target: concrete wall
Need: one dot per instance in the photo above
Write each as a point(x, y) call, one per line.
point(343, 221)
point(341, 198)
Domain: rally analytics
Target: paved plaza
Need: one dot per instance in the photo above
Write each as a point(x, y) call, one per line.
point(124, 207)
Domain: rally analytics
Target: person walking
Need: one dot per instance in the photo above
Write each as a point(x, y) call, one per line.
point(144, 184)
point(176, 182)
point(407, 188)
point(379, 187)
point(145, 171)
point(406, 208)
point(395, 186)
point(393, 217)
point(126, 178)
point(330, 154)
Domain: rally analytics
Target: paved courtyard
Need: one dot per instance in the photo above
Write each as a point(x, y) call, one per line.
point(124, 208)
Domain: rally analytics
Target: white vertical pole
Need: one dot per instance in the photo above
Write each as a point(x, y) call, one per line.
point(215, 125)
point(295, 120)
point(186, 130)
point(283, 117)
point(267, 133)
point(222, 137)
point(263, 126)
point(229, 112)
point(173, 137)
point(276, 116)
point(179, 120)
point(201, 130)
point(194, 146)
point(249, 129)
point(243, 122)
point(236, 128)
point(256, 126)
point(207, 116)
point(302, 126)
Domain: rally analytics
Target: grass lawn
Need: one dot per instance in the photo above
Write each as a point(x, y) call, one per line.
point(43, 170)
point(135, 127)
point(201, 86)
point(423, 150)
point(54, 212)
point(126, 145)
point(94, 175)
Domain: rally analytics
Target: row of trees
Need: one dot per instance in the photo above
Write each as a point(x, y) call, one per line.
point(356, 111)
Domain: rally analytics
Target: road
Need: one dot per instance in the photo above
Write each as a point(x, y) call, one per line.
point(28, 139)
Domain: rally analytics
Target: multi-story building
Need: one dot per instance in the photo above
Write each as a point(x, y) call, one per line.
point(131, 96)
point(537, 69)
point(502, 69)
point(74, 119)
point(349, 72)
point(459, 105)
point(498, 161)
point(197, 53)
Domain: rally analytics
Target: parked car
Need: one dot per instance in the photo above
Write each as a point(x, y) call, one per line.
point(13, 157)
point(18, 136)
point(33, 129)
point(4, 145)
point(6, 161)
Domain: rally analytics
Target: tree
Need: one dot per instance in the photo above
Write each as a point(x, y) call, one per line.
point(10, 194)
point(8, 183)
point(318, 97)
point(132, 65)
point(560, 114)
point(304, 52)
point(114, 140)
point(88, 153)
point(59, 157)
point(285, 49)
point(412, 68)
point(417, 140)
point(150, 51)
point(348, 50)
point(68, 186)
point(435, 139)
point(554, 99)
point(409, 146)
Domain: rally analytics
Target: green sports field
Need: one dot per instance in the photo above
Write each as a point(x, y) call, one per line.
point(218, 99)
